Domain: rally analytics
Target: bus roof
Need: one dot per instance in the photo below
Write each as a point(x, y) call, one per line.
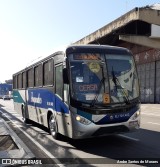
point(40, 61)
point(96, 48)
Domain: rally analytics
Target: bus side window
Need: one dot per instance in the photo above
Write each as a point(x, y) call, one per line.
point(59, 81)
point(24, 81)
point(48, 70)
point(15, 82)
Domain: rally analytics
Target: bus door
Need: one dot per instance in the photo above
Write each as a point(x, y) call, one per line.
point(61, 108)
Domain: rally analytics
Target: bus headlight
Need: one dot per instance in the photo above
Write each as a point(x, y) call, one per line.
point(82, 120)
point(136, 115)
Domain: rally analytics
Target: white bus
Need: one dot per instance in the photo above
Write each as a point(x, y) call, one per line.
point(86, 91)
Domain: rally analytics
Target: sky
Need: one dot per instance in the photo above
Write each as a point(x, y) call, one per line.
point(30, 29)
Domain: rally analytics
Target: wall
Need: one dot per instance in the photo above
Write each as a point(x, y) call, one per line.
point(148, 66)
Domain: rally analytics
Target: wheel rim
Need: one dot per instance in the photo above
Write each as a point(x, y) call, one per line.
point(52, 125)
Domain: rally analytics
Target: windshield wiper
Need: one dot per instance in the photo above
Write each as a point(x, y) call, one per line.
point(117, 84)
point(99, 88)
point(98, 92)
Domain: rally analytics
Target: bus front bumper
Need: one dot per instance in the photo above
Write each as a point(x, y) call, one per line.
point(81, 130)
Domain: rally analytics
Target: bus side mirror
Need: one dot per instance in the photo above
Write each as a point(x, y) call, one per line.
point(65, 76)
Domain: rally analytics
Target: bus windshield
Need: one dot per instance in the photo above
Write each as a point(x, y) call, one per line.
point(103, 78)
point(123, 79)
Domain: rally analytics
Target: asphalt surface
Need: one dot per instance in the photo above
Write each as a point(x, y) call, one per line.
point(141, 148)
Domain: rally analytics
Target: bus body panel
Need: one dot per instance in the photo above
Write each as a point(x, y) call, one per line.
point(110, 117)
point(39, 103)
point(19, 100)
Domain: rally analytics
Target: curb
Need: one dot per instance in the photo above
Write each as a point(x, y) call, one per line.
point(21, 152)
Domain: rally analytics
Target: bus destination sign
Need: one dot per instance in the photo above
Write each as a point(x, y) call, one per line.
point(87, 56)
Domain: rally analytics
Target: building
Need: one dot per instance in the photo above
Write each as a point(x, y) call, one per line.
point(139, 31)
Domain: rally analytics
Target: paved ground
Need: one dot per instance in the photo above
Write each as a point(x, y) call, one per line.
point(140, 145)
point(11, 146)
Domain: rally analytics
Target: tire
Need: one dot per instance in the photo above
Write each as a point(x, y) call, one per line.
point(53, 128)
point(25, 120)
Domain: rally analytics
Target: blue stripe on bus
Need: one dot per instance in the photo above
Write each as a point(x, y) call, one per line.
point(110, 117)
point(44, 98)
point(85, 114)
point(117, 117)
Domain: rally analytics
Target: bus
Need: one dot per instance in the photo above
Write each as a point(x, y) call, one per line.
point(5, 89)
point(85, 91)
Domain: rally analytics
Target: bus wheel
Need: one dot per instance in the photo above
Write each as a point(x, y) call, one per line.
point(53, 127)
point(25, 120)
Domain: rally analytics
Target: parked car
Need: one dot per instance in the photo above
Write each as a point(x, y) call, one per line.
point(6, 97)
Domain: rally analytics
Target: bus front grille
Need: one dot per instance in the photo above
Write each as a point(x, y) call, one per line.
point(110, 130)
